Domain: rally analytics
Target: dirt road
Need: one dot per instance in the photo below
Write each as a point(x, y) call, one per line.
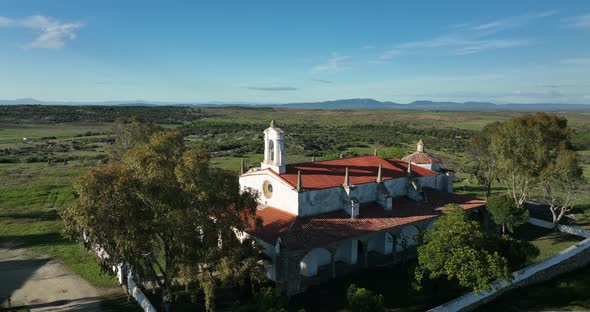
point(43, 284)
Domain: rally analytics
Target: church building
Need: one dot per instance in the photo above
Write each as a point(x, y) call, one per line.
point(326, 218)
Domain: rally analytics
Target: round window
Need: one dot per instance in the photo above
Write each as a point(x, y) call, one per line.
point(267, 189)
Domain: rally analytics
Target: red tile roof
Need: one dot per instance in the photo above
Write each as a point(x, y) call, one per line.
point(421, 158)
point(313, 231)
point(330, 173)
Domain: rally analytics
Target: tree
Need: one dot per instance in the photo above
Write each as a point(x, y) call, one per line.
point(561, 183)
point(458, 249)
point(364, 300)
point(482, 162)
point(128, 134)
point(166, 212)
point(505, 213)
point(523, 147)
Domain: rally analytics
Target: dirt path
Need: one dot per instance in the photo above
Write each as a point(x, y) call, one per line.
point(42, 284)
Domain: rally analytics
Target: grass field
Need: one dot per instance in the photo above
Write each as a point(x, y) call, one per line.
point(29, 197)
point(31, 192)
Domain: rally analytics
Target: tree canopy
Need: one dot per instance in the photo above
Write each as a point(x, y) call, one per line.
point(505, 213)
point(129, 133)
point(483, 163)
point(164, 210)
point(524, 146)
point(457, 248)
point(561, 182)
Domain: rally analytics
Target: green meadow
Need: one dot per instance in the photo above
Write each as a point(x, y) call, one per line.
point(36, 175)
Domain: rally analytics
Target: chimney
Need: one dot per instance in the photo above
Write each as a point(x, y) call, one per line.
point(340, 155)
point(346, 178)
point(409, 168)
point(420, 146)
point(242, 168)
point(299, 183)
point(272, 123)
point(379, 176)
point(375, 152)
point(312, 158)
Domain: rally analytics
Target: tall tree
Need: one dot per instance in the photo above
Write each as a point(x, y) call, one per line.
point(561, 183)
point(482, 163)
point(129, 133)
point(505, 212)
point(457, 248)
point(524, 146)
point(163, 209)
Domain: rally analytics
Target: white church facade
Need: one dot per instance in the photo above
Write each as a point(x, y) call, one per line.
point(321, 218)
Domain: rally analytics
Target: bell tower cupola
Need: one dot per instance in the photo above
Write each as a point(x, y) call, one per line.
point(274, 149)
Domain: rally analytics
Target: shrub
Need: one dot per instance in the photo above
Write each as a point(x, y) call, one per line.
point(363, 300)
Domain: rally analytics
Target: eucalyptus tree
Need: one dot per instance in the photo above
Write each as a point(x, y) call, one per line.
point(561, 183)
point(523, 147)
point(165, 210)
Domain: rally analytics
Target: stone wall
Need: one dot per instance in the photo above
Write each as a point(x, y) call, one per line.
point(570, 259)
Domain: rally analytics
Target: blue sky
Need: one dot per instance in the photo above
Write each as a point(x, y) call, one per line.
point(294, 51)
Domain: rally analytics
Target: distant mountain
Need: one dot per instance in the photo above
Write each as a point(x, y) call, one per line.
point(442, 106)
point(338, 104)
point(345, 104)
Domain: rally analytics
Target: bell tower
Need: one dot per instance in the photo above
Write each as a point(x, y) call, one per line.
point(274, 149)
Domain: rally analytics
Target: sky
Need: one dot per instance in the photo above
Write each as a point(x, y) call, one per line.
point(295, 51)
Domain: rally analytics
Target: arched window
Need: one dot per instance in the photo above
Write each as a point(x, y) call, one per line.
point(271, 150)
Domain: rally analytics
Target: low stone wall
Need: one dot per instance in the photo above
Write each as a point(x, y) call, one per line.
point(567, 260)
point(562, 228)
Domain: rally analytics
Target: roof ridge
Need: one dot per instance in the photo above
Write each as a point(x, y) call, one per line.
point(337, 159)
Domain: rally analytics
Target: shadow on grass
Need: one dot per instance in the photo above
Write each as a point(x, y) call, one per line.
point(29, 240)
point(531, 232)
point(566, 292)
point(50, 215)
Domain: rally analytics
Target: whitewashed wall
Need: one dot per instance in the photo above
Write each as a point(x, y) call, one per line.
point(381, 243)
point(283, 196)
point(313, 259)
point(347, 252)
point(396, 187)
point(321, 201)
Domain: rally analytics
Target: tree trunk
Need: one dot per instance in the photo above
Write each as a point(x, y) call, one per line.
point(554, 216)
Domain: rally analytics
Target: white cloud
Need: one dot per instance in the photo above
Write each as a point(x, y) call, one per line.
point(580, 21)
point(51, 33)
point(580, 61)
point(478, 46)
point(389, 54)
point(466, 39)
point(333, 64)
point(272, 88)
point(512, 21)
point(4, 21)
